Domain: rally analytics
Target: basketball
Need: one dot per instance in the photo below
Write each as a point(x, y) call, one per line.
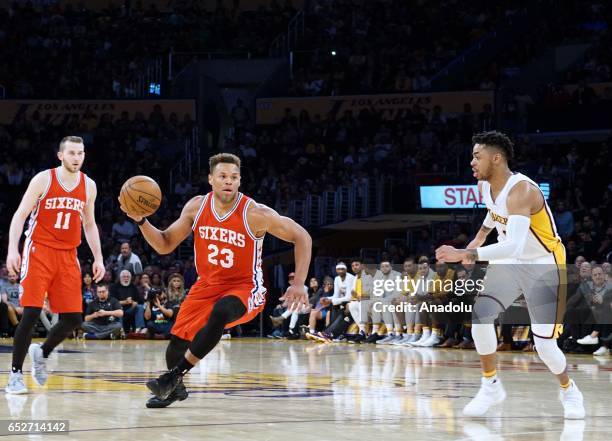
point(140, 196)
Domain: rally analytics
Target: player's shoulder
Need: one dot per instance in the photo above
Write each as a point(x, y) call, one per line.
point(193, 205)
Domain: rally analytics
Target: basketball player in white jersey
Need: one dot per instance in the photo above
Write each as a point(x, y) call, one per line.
point(528, 259)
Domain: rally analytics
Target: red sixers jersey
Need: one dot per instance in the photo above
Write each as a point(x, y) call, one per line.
point(226, 250)
point(56, 220)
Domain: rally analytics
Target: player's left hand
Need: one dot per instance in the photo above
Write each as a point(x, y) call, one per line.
point(98, 270)
point(295, 297)
point(447, 253)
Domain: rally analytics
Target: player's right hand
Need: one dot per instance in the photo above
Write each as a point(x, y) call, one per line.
point(13, 263)
point(134, 217)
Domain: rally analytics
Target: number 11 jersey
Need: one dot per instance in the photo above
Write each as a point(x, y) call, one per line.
point(56, 219)
point(226, 251)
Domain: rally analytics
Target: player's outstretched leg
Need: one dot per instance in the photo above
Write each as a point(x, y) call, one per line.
point(174, 353)
point(549, 352)
point(21, 342)
point(68, 321)
point(226, 310)
point(491, 389)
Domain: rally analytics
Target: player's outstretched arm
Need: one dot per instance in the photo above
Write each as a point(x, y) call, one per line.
point(166, 241)
point(263, 220)
point(92, 235)
point(35, 189)
point(522, 200)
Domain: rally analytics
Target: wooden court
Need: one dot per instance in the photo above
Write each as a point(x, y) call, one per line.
point(252, 389)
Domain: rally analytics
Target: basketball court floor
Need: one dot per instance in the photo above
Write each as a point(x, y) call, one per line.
point(252, 389)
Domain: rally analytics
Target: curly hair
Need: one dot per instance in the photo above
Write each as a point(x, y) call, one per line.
point(495, 139)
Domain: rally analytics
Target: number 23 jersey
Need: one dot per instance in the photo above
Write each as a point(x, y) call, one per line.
point(56, 219)
point(226, 251)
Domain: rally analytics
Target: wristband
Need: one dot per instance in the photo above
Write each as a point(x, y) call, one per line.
point(142, 221)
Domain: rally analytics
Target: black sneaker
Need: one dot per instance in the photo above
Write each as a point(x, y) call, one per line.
point(178, 394)
point(165, 384)
point(358, 339)
point(373, 338)
point(292, 335)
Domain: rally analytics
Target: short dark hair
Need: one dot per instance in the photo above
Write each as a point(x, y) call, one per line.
point(65, 139)
point(356, 259)
point(101, 285)
point(223, 158)
point(495, 139)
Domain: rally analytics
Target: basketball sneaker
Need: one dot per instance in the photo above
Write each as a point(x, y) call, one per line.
point(39, 364)
point(573, 402)
point(178, 394)
point(15, 384)
point(490, 393)
point(386, 340)
point(165, 384)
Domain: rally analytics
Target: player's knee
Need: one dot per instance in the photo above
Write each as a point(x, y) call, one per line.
point(71, 320)
point(486, 309)
point(228, 309)
point(550, 354)
point(485, 338)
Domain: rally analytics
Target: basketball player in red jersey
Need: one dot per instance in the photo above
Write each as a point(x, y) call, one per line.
point(58, 202)
point(228, 229)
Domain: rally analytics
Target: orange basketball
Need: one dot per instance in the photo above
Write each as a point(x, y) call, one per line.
point(140, 196)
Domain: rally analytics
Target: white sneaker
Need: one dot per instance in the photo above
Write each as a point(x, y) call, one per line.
point(489, 395)
point(413, 338)
point(39, 364)
point(402, 339)
point(573, 402)
point(385, 341)
point(226, 337)
point(431, 341)
point(15, 384)
point(588, 340)
point(602, 351)
point(422, 340)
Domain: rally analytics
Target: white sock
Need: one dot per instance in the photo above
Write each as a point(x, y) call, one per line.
point(312, 331)
point(286, 314)
point(294, 319)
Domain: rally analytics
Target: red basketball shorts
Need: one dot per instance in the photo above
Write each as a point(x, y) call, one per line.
point(199, 303)
point(53, 272)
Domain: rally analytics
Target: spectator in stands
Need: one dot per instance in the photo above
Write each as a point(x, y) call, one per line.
point(564, 220)
point(599, 298)
point(128, 260)
point(127, 295)
point(321, 301)
point(159, 314)
point(89, 290)
point(103, 316)
point(156, 281)
point(124, 230)
point(361, 296)
point(389, 294)
point(11, 298)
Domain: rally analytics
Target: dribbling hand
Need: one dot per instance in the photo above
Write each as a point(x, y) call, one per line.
point(13, 263)
point(295, 296)
point(98, 270)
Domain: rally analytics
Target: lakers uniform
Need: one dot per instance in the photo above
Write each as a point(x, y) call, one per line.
point(538, 273)
point(50, 264)
point(228, 263)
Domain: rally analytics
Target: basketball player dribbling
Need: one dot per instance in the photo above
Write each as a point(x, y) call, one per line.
point(528, 259)
point(228, 229)
point(58, 201)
